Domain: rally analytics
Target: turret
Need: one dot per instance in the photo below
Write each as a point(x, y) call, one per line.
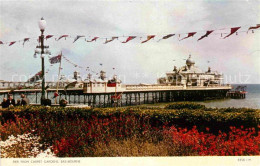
point(102, 75)
point(175, 69)
point(190, 62)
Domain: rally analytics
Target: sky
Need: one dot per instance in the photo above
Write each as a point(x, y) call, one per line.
point(237, 57)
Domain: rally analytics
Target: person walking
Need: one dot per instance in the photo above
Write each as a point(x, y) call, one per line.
point(24, 100)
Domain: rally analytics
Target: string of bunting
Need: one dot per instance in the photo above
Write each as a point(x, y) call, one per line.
point(81, 67)
point(147, 38)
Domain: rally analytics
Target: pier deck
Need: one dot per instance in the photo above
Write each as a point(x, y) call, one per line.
point(133, 95)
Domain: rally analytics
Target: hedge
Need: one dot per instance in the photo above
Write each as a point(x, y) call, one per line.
point(182, 105)
point(184, 116)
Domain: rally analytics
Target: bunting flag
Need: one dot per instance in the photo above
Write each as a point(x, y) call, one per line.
point(48, 36)
point(129, 38)
point(77, 37)
point(11, 43)
point(63, 36)
point(256, 27)
point(148, 38)
point(191, 34)
point(206, 35)
point(166, 37)
point(55, 59)
point(113, 38)
point(36, 77)
point(25, 39)
point(233, 30)
point(94, 39)
point(116, 96)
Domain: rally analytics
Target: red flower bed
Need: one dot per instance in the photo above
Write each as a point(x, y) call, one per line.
point(77, 136)
point(236, 142)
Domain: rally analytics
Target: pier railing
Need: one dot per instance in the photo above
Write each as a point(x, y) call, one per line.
point(152, 87)
point(170, 87)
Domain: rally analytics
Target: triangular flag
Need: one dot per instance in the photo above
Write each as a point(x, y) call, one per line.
point(233, 30)
point(1, 42)
point(94, 39)
point(113, 38)
point(62, 37)
point(191, 34)
point(206, 35)
point(129, 38)
point(25, 39)
point(11, 43)
point(48, 36)
point(256, 27)
point(166, 37)
point(77, 37)
point(148, 38)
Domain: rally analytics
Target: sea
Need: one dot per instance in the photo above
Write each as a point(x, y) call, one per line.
point(252, 99)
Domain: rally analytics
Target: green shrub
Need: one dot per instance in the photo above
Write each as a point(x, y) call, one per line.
point(216, 119)
point(184, 105)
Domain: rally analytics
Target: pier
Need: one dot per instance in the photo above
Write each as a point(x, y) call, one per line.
point(238, 93)
point(132, 96)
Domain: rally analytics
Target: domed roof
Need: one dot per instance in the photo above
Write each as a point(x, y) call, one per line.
point(190, 61)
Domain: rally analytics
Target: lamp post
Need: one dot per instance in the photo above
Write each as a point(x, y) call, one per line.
point(42, 25)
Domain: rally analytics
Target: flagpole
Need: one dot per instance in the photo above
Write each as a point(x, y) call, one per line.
point(115, 95)
point(58, 79)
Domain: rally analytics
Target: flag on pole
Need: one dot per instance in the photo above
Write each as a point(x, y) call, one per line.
point(191, 34)
point(11, 43)
point(148, 38)
point(77, 37)
point(129, 38)
point(55, 59)
point(166, 37)
point(25, 39)
point(113, 38)
point(232, 31)
point(56, 94)
point(94, 39)
point(63, 36)
point(206, 35)
point(48, 36)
